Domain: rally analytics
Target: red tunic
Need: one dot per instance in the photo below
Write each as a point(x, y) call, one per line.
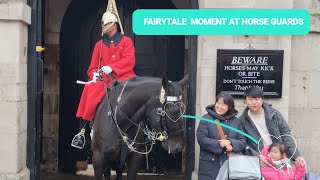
point(121, 59)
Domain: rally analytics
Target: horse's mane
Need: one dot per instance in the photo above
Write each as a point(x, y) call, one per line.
point(137, 92)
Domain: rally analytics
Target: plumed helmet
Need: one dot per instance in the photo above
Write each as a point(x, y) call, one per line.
point(108, 17)
point(111, 15)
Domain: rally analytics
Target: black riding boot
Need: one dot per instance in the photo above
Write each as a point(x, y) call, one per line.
point(91, 129)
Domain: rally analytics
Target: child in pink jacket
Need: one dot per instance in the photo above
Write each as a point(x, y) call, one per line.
point(282, 168)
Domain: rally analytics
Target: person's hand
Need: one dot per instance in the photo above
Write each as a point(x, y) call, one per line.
point(229, 148)
point(95, 76)
point(263, 161)
point(300, 161)
point(224, 143)
point(106, 69)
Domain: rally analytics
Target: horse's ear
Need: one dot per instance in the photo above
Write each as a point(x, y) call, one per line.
point(183, 81)
point(165, 83)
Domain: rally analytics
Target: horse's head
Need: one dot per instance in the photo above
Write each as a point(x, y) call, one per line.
point(166, 115)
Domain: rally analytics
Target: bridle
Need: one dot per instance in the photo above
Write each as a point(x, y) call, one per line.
point(166, 100)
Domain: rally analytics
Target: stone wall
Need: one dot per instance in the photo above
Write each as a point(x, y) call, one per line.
point(300, 101)
point(304, 106)
point(15, 16)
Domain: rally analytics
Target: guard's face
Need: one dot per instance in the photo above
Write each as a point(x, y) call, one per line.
point(220, 107)
point(254, 104)
point(107, 28)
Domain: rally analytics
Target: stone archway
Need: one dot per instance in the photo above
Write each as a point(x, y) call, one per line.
point(80, 30)
point(87, 14)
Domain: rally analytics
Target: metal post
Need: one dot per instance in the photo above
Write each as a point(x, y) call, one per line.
point(34, 90)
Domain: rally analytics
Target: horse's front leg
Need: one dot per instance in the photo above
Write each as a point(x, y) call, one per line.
point(107, 174)
point(100, 167)
point(119, 174)
point(133, 163)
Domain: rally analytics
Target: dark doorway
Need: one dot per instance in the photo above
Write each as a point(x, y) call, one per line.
point(155, 56)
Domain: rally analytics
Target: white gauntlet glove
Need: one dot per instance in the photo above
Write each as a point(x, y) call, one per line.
point(106, 69)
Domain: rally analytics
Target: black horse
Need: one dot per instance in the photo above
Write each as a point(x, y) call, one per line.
point(137, 113)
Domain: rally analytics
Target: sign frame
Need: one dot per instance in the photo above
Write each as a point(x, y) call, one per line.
point(253, 66)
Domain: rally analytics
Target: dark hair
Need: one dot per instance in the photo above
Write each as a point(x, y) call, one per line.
point(254, 92)
point(228, 100)
point(281, 147)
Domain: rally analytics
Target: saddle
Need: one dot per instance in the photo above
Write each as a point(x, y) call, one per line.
point(114, 82)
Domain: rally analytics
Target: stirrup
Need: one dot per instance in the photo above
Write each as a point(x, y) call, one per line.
point(79, 140)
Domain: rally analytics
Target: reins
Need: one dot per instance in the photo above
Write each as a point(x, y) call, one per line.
point(151, 135)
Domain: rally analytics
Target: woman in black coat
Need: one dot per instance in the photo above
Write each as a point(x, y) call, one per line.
point(213, 150)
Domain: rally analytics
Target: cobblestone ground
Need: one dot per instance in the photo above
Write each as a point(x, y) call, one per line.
point(60, 176)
